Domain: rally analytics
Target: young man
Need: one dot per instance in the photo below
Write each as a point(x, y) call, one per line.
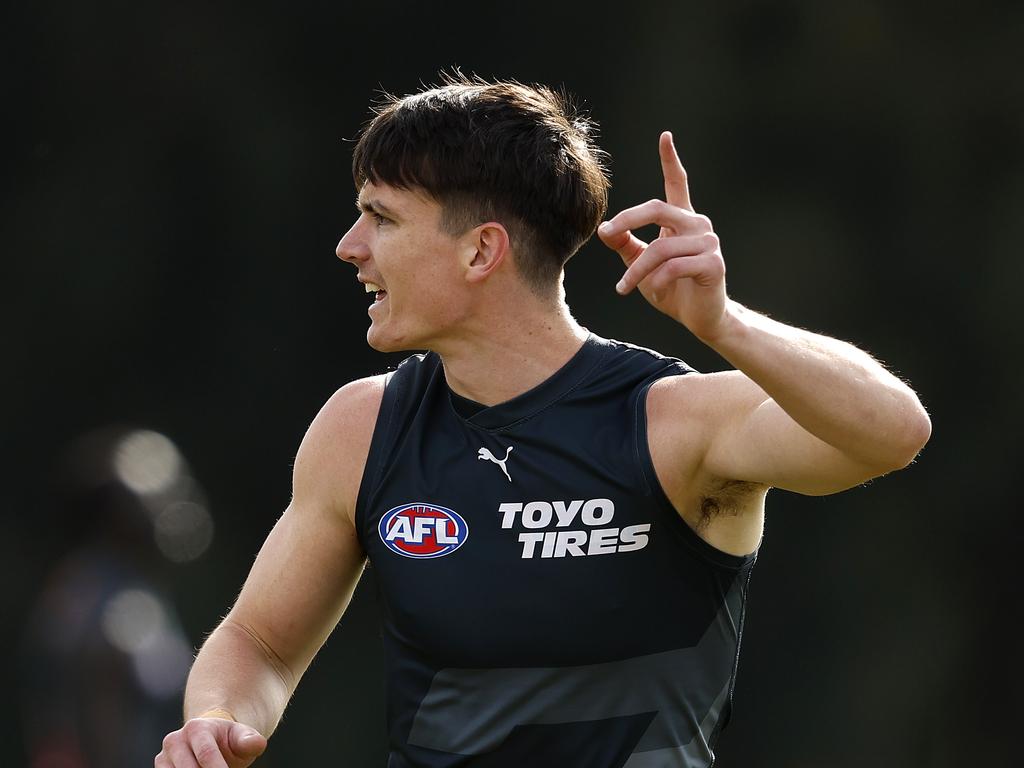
point(562, 526)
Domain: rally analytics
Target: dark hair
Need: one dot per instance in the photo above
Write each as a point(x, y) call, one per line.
point(519, 154)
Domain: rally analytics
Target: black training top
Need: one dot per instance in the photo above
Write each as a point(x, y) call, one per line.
point(543, 603)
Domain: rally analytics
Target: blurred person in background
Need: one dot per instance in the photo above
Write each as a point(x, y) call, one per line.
point(104, 658)
point(562, 526)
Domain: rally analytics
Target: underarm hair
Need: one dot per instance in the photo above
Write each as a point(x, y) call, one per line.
point(725, 499)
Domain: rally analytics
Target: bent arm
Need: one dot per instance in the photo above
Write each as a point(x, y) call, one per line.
point(802, 412)
point(302, 579)
point(810, 413)
point(295, 594)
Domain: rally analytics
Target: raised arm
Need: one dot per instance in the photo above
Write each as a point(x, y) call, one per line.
point(802, 411)
point(297, 590)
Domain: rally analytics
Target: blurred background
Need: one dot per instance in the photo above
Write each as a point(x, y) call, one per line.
point(175, 178)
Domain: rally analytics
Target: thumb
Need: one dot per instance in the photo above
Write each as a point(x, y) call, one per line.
point(245, 742)
point(624, 242)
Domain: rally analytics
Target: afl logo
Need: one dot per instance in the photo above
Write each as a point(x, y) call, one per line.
point(422, 530)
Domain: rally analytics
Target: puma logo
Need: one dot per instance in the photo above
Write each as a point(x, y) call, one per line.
point(483, 453)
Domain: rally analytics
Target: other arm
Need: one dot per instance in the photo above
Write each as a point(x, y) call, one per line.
point(802, 411)
point(297, 590)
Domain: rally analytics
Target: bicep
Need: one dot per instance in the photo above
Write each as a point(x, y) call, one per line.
point(307, 569)
point(751, 438)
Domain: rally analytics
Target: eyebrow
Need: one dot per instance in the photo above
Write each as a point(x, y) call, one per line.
point(375, 206)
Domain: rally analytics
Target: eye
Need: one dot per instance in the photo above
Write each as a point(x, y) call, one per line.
point(368, 210)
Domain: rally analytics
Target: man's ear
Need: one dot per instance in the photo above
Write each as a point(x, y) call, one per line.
point(486, 250)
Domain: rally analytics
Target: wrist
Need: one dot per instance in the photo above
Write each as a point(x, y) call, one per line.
point(218, 712)
point(732, 326)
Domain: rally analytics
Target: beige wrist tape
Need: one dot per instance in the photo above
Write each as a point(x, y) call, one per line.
point(218, 712)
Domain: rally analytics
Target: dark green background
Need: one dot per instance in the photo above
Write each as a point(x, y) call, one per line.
point(175, 178)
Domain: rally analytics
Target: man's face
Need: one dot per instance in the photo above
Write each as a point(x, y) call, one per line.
point(403, 254)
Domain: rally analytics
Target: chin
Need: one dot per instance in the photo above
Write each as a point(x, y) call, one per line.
point(384, 342)
point(378, 346)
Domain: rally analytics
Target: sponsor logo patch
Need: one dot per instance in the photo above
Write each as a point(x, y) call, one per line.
point(591, 521)
point(422, 530)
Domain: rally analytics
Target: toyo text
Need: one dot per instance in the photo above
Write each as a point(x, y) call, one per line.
point(597, 538)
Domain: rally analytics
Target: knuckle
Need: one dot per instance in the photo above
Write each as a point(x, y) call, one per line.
point(703, 221)
point(195, 730)
point(677, 268)
point(207, 753)
point(710, 241)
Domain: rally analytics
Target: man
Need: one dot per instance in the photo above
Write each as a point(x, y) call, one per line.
point(562, 526)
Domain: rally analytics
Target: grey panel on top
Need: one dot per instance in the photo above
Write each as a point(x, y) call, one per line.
point(472, 711)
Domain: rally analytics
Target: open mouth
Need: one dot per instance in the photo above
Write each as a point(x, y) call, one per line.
point(378, 292)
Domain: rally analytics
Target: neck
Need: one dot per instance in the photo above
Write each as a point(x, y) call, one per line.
point(500, 357)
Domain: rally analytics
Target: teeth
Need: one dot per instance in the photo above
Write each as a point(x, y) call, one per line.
point(372, 287)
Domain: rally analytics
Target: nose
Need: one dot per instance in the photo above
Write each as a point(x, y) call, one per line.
point(353, 247)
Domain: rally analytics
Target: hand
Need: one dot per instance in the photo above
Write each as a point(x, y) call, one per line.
point(682, 272)
point(211, 742)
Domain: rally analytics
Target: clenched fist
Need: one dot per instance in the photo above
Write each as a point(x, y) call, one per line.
point(211, 742)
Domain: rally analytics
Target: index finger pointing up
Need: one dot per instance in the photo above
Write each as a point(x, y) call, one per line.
point(677, 192)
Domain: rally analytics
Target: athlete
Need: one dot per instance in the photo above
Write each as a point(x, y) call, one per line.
point(562, 526)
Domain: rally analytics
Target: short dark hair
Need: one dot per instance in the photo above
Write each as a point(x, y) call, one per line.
point(523, 155)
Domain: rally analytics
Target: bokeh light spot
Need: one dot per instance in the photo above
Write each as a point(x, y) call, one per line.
point(147, 462)
point(183, 531)
point(133, 619)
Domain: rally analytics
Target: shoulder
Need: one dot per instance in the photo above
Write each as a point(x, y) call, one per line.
point(348, 406)
point(708, 400)
point(349, 412)
point(330, 460)
point(686, 414)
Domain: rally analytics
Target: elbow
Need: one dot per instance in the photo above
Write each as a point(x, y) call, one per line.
point(914, 433)
point(923, 429)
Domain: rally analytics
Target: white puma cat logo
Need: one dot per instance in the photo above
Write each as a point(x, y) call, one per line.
point(483, 453)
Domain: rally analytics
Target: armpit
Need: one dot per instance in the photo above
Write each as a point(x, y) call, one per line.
point(728, 498)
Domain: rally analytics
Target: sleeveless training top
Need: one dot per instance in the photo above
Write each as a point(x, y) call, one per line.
point(543, 603)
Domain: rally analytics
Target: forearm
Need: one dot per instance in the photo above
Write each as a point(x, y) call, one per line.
point(835, 391)
point(236, 675)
